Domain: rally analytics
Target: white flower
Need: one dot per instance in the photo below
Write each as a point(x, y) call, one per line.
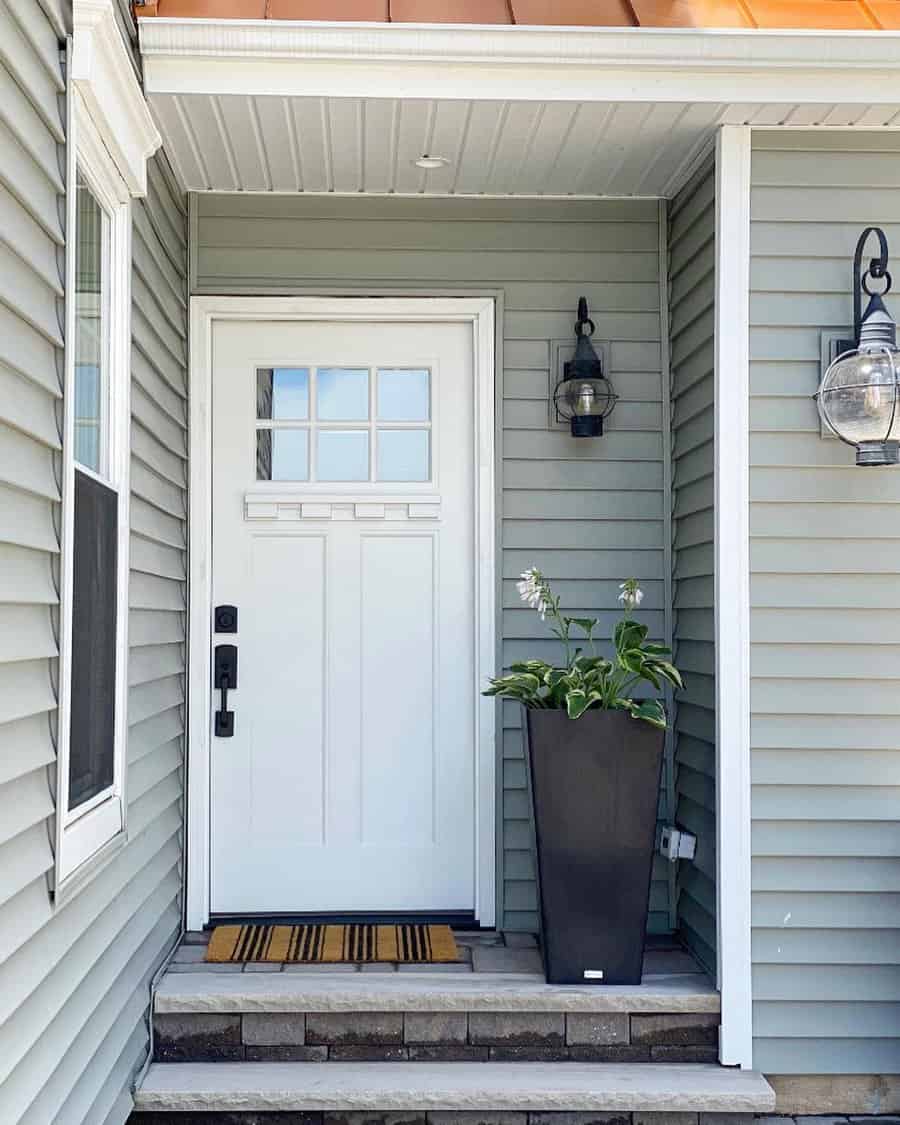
point(532, 590)
point(632, 595)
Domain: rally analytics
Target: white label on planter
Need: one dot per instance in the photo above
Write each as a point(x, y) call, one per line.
point(593, 974)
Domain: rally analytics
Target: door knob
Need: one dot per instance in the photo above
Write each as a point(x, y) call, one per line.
point(225, 680)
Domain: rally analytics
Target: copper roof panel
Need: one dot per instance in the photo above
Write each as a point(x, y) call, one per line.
point(574, 13)
point(770, 14)
point(450, 11)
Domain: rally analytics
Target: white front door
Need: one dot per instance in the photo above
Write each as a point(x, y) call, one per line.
point(343, 531)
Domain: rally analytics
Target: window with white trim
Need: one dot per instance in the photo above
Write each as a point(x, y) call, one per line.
point(94, 602)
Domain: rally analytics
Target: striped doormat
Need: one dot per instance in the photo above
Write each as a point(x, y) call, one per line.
point(333, 944)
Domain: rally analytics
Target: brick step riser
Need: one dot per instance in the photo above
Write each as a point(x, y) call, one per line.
point(443, 1117)
point(437, 1037)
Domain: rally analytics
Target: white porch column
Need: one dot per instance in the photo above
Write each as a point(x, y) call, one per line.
point(732, 549)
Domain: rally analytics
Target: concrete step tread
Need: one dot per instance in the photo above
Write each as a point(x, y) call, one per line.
point(390, 992)
point(573, 1087)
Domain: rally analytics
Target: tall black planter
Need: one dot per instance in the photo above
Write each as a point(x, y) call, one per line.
point(595, 789)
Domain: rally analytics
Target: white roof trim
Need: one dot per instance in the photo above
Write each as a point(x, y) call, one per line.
point(524, 63)
point(103, 74)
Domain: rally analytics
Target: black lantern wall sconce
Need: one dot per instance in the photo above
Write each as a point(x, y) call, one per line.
point(584, 396)
point(859, 395)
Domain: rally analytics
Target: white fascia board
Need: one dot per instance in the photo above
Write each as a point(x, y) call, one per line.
point(184, 56)
point(104, 76)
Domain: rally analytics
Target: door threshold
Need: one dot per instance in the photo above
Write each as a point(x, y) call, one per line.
point(458, 920)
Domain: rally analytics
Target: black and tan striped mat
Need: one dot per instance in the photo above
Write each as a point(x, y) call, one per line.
point(330, 943)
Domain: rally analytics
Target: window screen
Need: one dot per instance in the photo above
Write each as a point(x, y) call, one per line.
point(94, 613)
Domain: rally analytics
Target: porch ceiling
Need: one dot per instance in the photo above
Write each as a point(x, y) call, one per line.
point(275, 106)
point(361, 145)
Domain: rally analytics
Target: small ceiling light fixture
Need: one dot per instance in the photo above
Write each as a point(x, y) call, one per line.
point(859, 396)
point(430, 162)
point(584, 396)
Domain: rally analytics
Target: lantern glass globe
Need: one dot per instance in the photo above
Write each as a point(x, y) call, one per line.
point(584, 398)
point(860, 395)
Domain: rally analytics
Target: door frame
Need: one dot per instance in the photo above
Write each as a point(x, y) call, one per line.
point(204, 313)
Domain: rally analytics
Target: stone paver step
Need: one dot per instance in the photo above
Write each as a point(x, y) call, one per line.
point(450, 992)
point(546, 1087)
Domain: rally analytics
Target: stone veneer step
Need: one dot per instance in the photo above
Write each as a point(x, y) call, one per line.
point(383, 1087)
point(391, 992)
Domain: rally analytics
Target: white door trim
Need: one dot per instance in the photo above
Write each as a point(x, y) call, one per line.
point(732, 591)
point(205, 311)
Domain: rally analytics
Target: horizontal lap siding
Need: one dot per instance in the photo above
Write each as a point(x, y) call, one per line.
point(825, 631)
point(589, 513)
point(32, 277)
point(74, 980)
point(108, 941)
point(692, 230)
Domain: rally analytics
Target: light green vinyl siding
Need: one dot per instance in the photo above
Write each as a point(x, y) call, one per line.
point(825, 630)
point(692, 260)
point(589, 513)
point(74, 979)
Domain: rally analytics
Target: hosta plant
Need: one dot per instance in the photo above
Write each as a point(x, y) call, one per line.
point(587, 681)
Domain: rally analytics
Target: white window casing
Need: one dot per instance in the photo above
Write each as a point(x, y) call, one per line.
point(87, 834)
point(104, 76)
point(111, 135)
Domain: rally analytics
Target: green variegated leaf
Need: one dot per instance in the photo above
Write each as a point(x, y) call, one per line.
point(536, 667)
point(650, 711)
point(669, 672)
point(649, 673)
point(586, 624)
point(633, 660)
point(629, 634)
point(576, 703)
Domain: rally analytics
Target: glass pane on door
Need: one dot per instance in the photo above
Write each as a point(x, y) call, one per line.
point(282, 455)
point(403, 395)
point(342, 394)
point(403, 455)
point(282, 392)
point(343, 455)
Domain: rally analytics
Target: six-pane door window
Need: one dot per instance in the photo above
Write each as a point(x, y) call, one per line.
point(340, 424)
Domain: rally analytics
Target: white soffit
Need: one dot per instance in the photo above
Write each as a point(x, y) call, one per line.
point(346, 109)
point(103, 74)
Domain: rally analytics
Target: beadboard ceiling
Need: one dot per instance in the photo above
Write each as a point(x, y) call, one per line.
point(241, 142)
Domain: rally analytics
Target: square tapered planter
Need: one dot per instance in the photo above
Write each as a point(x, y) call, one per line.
point(595, 791)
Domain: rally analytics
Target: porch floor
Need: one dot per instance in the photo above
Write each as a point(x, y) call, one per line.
point(484, 953)
point(500, 973)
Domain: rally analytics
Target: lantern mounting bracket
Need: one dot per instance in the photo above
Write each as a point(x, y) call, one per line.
point(877, 269)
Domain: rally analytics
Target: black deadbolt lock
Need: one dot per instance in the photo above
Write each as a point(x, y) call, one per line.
point(225, 679)
point(226, 618)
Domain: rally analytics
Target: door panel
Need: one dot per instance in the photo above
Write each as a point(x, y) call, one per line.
point(343, 513)
point(398, 632)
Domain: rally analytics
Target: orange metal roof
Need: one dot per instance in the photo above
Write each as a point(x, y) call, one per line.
point(818, 15)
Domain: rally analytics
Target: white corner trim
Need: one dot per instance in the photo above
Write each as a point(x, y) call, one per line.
point(204, 313)
point(732, 594)
point(104, 76)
